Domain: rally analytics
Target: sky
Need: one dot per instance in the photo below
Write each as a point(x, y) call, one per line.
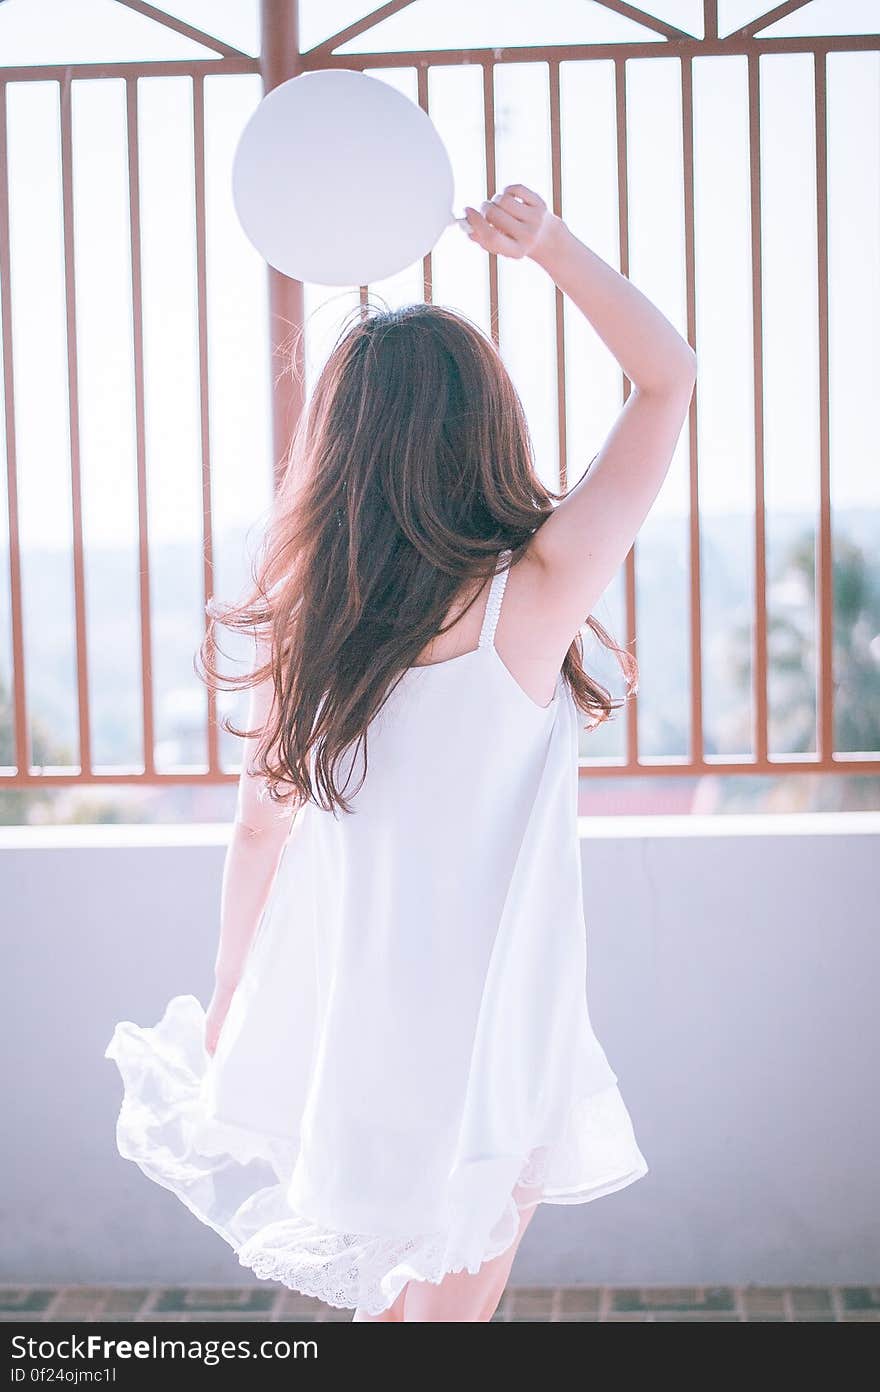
point(239, 377)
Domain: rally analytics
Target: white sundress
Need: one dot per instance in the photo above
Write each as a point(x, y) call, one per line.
point(409, 1050)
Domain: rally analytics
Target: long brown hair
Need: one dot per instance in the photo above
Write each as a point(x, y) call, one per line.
point(409, 471)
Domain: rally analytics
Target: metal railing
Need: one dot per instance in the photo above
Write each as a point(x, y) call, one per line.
point(281, 58)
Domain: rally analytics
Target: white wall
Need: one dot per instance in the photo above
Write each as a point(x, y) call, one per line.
point(734, 978)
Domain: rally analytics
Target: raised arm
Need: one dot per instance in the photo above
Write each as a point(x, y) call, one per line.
point(578, 550)
point(259, 831)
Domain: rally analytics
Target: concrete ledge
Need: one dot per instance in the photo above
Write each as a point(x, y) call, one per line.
point(134, 834)
point(733, 966)
point(736, 824)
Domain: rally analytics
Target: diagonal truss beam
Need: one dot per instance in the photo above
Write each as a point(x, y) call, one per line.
point(180, 26)
point(360, 26)
point(748, 31)
point(369, 21)
point(660, 26)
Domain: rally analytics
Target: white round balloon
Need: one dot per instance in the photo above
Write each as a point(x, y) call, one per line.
point(340, 179)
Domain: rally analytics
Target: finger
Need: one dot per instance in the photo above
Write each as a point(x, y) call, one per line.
point(527, 195)
point(502, 220)
point(489, 237)
point(514, 206)
point(491, 240)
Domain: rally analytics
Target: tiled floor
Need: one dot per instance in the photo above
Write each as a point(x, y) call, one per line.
point(723, 1304)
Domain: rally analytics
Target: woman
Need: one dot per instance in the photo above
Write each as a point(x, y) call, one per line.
point(397, 1063)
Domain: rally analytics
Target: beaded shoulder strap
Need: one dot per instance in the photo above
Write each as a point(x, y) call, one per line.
point(493, 603)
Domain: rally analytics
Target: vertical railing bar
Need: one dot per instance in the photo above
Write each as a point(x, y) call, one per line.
point(696, 621)
point(759, 653)
point(422, 76)
point(491, 175)
point(281, 59)
point(19, 701)
point(710, 19)
point(137, 327)
point(824, 548)
point(632, 713)
point(198, 99)
point(76, 509)
point(364, 297)
point(556, 180)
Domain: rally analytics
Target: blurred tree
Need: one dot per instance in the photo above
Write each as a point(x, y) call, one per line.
point(856, 650)
point(791, 642)
point(18, 804)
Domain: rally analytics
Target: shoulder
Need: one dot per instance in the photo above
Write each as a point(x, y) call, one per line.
point(531, 636)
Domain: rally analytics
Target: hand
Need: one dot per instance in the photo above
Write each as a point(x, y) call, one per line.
point(514, 223)
point(215, 1015)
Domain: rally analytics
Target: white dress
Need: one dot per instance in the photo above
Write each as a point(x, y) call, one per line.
point(409, 1051)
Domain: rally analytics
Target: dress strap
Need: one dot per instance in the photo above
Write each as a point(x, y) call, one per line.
point(493, 603)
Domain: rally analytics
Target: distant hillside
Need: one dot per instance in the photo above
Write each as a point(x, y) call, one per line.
point(178, 614)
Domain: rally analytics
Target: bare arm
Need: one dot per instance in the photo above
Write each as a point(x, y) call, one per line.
point(259, 832)
point(578, 550)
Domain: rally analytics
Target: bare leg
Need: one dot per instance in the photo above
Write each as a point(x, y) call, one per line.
point(393, 1315)
point(460, 1297)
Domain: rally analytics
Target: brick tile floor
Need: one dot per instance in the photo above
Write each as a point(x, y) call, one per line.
point(706, 1305)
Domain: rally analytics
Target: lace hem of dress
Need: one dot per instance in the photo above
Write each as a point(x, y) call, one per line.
point(235, 1180)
